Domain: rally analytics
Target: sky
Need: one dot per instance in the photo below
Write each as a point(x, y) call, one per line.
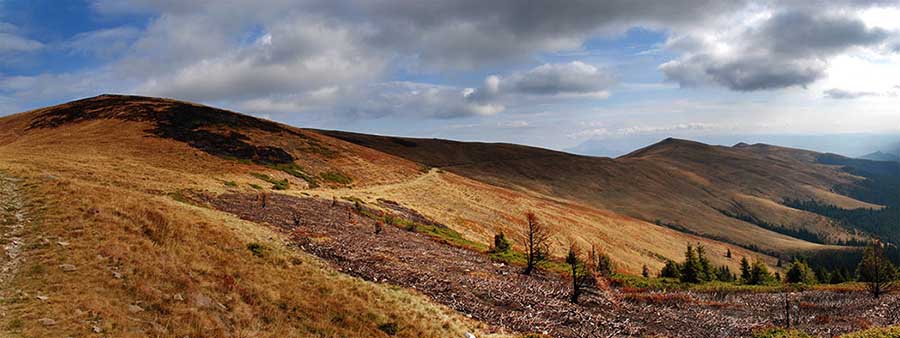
point(596, 77)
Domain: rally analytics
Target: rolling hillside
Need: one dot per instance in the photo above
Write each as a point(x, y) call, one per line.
point(690, 186)
point(120, 209)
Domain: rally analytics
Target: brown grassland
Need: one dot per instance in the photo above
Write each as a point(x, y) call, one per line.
point(114, 245)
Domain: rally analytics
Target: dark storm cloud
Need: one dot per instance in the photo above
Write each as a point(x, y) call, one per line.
point(789, 49)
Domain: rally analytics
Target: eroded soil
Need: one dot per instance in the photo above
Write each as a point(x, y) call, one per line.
point(498, 294)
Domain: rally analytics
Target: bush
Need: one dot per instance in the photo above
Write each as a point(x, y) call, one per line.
point(760, 275)
point(389, 328)
point(336, 177)
point(257, 249)
point(605, 265)
point(501, 244)
point(276, 184)
point(156, 226)
point(800, 273)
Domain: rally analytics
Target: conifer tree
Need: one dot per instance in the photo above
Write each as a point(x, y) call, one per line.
point(670, 270)
point(691, 271)
point(745, 270)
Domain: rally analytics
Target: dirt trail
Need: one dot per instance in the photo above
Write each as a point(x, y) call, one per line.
point(13, 217)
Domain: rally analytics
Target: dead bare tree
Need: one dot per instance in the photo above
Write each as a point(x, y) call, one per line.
point(583, 276)
point(876, 271)
point(263, 199)
point(378, 227)
point(537, 242)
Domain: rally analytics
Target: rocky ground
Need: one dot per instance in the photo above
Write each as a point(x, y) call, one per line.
point(12, 220)
point(498, 294)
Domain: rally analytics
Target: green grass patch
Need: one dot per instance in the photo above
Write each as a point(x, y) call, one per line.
point(231, 184)
point(276, 184)
point(357, 200)
point(256, 186)
point(296, 171)
point(878, 332)
point(257, 249)
point(336, 177)
point(178, 196)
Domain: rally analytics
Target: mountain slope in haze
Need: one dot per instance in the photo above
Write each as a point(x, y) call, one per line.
point(702, 189)
point(881, 156)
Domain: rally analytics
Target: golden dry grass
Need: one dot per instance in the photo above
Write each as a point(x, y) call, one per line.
point(149, 265)
point(479, 211)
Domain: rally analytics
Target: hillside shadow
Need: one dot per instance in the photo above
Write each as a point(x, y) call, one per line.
point(180, 121)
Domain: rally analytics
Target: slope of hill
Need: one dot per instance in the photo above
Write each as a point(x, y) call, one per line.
point(691, 186)
point(881, 156)
point(109, 244)
point(114, 237)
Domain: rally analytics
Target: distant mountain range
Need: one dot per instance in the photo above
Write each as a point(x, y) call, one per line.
point(881, 156)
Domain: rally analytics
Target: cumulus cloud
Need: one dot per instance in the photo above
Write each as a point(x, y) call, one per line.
point(789, 48)
point(575, 78)
point(398, 98)
point(343, 57)
point(289, 58)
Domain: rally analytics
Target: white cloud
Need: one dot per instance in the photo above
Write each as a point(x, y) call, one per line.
point(12, 42)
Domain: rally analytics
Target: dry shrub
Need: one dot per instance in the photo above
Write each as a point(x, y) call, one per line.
point(658, 298)
point(156, 226)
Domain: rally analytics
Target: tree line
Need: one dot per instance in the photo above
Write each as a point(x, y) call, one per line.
point(874, 269)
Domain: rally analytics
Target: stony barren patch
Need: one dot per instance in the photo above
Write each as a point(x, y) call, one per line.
point(498, 294)
point(12, 222)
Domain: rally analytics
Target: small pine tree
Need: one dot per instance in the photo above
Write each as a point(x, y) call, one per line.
point(800, 273)
point(670, 270)
point(691, 270)
point(759, 274)
point(728, 253)
point(604, 265)
point(708, 271)
point(822, 275)
point(723, 273)
point(645, 271)
point(745, 270)
point(837, 277)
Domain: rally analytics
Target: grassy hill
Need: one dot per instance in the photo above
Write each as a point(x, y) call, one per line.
point(110, 237)
point(701, 189)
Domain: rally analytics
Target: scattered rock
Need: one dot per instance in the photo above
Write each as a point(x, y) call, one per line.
point(47, 322)
point(178, 297)
point(67, 267)
point(96, 329)
point(42, 298)
point(134, 308)
point(469, 335)
point(117, 275)
point(63, 244)
point(203, 301)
